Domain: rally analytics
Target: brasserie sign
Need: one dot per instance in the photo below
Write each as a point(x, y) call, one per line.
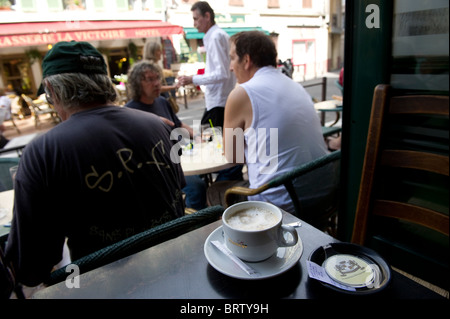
point(51, 38)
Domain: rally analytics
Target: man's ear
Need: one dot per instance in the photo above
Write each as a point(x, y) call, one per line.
point(248, 64)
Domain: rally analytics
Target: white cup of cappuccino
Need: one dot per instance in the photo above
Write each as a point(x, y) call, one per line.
point(253, 230)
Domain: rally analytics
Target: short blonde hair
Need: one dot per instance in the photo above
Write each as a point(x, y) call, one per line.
point(150, 48)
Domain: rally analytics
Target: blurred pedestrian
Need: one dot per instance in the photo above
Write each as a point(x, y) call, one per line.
point(5, 114)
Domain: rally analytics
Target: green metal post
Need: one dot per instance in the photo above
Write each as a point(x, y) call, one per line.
point(368, 38)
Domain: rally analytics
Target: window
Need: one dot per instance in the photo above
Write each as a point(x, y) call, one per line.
point(151, 5)
point(304, 56)
point(236, 3)
point(307, 4)
point(55, 5)
point(158, 4)
point(8, 5)
point(74, 5)
point(420, 46)
point(16, 74)
point(118, 61)
point(99, 5)
point(122, 5)
point(29, 5)
point(272, 4)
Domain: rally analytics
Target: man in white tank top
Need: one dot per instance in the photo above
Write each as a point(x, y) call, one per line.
point(270, 122)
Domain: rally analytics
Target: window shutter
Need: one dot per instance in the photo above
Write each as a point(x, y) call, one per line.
point(55, 5)
point(99, 5)
point(272, 4)
point(122, 5)
point(29, 5)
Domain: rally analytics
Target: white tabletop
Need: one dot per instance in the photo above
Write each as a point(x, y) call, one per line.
point(329, 104)
point(203, 158)
point(6, 210)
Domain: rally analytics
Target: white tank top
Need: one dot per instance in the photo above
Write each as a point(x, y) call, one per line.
point(285, 132)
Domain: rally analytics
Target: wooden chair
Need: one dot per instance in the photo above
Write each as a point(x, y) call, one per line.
point(42, 109)
point(331, 130)
point(16, 107)
point(402, 210)
point(319, 211)
point(141, 241)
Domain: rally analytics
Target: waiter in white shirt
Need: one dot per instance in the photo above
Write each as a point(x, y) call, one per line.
point(217, 79)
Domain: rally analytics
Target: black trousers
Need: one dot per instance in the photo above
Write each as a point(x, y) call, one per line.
point(216, 115)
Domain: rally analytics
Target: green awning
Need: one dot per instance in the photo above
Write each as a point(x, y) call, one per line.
point(192, 33)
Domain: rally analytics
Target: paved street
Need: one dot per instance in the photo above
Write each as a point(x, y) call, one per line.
point(194, 111)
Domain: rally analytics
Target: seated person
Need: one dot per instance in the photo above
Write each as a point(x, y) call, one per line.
point(270, 121)
point(102, 175)
point(5, 114)
point(144, 88)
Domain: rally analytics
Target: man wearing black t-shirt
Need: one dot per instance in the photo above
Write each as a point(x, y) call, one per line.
point(100, 176)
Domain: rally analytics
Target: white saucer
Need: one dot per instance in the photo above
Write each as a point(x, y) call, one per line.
point(284, 259)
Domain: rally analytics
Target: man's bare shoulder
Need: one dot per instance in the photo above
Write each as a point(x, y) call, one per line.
point(238, 95)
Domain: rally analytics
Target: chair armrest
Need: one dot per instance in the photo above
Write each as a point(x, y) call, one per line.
point(240, 190)
point(140, 241)
point(330, 130)
point(284, 179)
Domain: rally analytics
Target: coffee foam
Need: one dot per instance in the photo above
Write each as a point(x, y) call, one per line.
point(252, 218)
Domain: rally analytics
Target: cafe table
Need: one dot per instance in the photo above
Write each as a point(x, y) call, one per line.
point(333, 105)
point(179, 269)
point(16, 145)
point(203, 158)
point(6, 207)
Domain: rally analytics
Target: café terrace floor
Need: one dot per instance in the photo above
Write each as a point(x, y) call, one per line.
point(26, 126)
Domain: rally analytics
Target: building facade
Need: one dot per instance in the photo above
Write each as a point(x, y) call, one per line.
point(305, 31)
